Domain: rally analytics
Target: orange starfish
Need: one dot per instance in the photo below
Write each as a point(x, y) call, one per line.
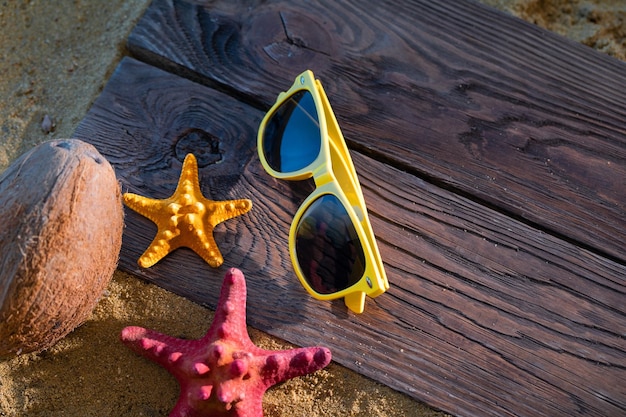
point(186, 219)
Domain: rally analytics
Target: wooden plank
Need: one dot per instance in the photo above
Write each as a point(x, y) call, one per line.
point(479, 102)
point(485, 316)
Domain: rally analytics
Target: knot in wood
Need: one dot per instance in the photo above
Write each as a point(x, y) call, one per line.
point(294, 36)
point(204, 146)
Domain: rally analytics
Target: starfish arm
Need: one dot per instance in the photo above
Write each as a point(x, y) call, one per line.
point(230, 316)
point(225, 210)
point(206, 247)
point(189, 181)
point(169, 352)
point(145, 206)
point(286, 364)
point(157, 250)
point(151, 256)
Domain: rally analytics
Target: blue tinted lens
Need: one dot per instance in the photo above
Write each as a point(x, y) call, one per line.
point(292, 139)
point(328, 248)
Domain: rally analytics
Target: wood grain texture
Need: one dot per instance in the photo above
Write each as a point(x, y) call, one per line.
point(485, 315)
point(481, 103)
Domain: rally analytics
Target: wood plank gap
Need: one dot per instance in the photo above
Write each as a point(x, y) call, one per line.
point(436, 181)
point(157, 61)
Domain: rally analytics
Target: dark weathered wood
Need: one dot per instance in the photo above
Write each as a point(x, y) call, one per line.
point(485, 315)
point(479, 102)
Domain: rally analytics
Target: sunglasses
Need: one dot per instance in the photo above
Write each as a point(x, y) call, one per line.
point(331, 243)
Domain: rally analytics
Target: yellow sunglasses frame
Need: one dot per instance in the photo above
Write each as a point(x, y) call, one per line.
point(333, 173)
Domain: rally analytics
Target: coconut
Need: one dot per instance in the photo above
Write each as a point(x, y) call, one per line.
point(61, 222)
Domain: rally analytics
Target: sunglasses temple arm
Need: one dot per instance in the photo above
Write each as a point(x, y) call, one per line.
point(342, 164)
point(355, 301)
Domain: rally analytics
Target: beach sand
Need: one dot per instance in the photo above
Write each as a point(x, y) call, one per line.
point(55, 58)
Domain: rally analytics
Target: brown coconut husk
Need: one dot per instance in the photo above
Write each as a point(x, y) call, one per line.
point(61, 222)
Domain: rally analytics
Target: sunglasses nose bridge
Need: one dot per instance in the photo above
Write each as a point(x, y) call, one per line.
point(323, 176)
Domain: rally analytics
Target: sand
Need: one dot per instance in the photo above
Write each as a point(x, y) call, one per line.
point(55, 58)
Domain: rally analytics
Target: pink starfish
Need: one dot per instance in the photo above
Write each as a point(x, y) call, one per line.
point(224, 373)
